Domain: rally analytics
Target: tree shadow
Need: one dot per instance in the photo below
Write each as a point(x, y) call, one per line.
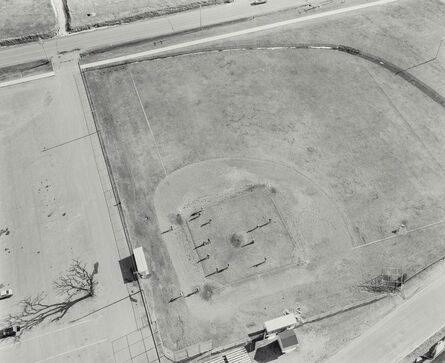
point(75, 285)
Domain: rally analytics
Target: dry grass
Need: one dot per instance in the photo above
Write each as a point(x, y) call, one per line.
point(26, 18)
point(23, 70)
point(368, 139)
point(85, 13)
point(273, 105)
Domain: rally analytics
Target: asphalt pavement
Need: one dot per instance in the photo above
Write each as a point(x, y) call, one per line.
point(400, 332)
point(150, 28)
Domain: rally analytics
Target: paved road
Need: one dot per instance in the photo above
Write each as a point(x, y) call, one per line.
point(162, 26)
point(400, 332)
point(150, 28)
point(236, 33)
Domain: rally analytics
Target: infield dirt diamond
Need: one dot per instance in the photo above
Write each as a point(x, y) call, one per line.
point(238, 225)
point(235, 223)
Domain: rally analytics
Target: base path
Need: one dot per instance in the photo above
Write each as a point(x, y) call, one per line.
point(400, 332)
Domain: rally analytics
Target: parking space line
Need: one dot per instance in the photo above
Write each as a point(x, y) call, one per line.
point(49, 333)
point(72, 350)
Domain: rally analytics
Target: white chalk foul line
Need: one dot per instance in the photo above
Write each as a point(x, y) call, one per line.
point(399, 235)
point(232, 34)
point(26, 79)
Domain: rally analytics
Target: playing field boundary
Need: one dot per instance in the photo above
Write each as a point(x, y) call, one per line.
point(121, 214)
point(141, 55)
point(162, 352)
point(389, 66)
point(345, 49)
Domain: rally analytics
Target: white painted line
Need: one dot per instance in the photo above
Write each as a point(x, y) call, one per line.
point(148, 124)
point(26, 79)
point(56, 331)
point(72, 350)
point(49, 333)
point(399, 235)
point(232, 34)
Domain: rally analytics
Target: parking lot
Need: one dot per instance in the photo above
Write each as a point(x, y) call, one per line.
point(54, 207)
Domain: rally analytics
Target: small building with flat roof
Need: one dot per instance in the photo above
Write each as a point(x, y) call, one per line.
point(287, 340)
point(141, 263)
point(279, 324)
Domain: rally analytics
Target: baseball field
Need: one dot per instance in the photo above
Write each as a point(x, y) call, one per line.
point(261, 179)
point(249, 190)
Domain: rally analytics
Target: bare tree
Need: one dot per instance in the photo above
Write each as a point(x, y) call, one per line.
point(77, 281)
point(75, 285)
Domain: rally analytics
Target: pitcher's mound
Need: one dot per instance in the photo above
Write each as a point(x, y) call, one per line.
point(238, 239)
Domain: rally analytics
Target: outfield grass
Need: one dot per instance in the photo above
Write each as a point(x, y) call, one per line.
point(339, 120)
point(22, 19)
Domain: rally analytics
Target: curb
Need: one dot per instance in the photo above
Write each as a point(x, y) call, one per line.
point(26, 79)
point(144, 54)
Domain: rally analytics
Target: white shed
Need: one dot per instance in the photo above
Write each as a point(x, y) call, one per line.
point(141, 263)
point(279, 324)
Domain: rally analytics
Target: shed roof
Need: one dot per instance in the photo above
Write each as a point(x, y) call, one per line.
point(139, 257)
point(288, 338)
point(280, 323)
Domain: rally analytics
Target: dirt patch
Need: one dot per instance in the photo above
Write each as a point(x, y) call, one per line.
point(238, 239)
point(176, 219)
point(207, 292)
